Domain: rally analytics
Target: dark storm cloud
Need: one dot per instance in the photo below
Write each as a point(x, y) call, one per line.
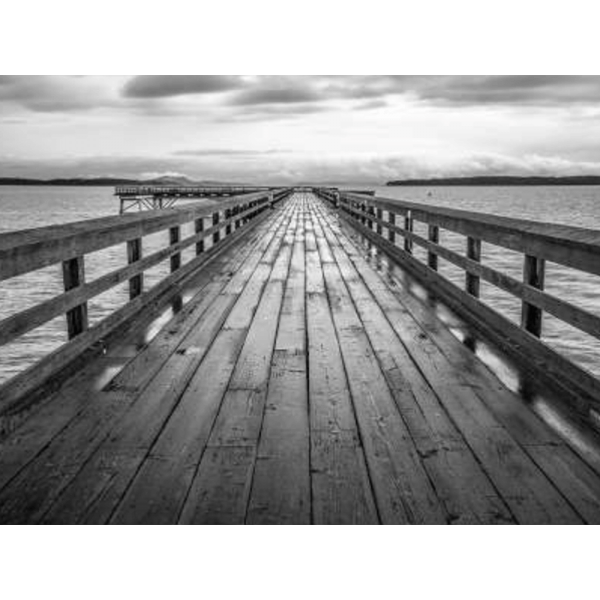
point(275, 97)
point(161, 86)
point(44, 93)
point(467, 90)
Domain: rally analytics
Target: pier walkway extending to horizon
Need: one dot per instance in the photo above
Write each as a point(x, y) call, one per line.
point(299, 384)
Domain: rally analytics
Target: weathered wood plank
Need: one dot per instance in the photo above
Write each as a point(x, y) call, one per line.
point(341, 489)
point(531, 497)
point(403, 491)
point(281, 484)
point(66, 403)
point(239, 421)
point(463, 487)
point(137, 432)
point(92, 420)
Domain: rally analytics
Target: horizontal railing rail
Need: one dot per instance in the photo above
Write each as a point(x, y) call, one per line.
point(145, 190)
point(384, 221)
point(67, 245)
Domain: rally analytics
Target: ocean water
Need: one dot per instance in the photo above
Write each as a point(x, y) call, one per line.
point(26, 207)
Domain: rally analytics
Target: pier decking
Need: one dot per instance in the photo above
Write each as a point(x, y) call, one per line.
point(298, 385)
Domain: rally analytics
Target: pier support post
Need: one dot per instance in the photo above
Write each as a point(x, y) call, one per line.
point(391, 232)
point(534, 270)
point(433, 233)
point(74, 276)
point(472, 282)
point(408, 226)
point(199, 228)
point(134, 254)
point(174, 237)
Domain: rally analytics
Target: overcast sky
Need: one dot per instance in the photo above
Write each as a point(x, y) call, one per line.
point(312, 128)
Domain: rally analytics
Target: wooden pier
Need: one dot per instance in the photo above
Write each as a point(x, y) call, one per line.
point(299, 383)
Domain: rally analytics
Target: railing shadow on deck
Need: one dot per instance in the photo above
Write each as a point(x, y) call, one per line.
point(385, 222)
point(67, 245)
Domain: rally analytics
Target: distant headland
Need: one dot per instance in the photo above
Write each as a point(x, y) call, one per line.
point(105, 181)
point(500, 180)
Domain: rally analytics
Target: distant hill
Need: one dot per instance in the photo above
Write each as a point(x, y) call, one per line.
point(105, 181)
point(501, 180)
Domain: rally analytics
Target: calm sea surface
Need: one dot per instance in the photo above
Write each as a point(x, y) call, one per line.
point(25, 207)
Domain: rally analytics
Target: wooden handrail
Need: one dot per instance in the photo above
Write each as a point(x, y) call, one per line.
point(574, 247)
point(25, 251)
point(31, 249)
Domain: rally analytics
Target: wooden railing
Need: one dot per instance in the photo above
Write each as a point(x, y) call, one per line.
point(388, 222)
point(25, 251)
point(188, 190)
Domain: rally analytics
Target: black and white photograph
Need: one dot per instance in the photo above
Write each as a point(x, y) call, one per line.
point(217, 309)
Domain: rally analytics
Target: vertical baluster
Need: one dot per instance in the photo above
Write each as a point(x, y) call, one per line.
point(472, 282)
point(174, 237)
point(380, 217)
point(408, 226)
point(134, 254)
point(199, 228)
point(534, 270)
point(391, 232)
point(217, 234)
point(227, 217)
point(74, 276)
point(433, 233)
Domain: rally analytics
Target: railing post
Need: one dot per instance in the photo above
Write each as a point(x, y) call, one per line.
point(380, 217)
point(199, 228)
point(74, 276)
point(134, 254)
point(433, 233)
point(227, 217)
point(217, 234)
point(408, 226)
point(534, 270)
point(174, 237)
point(391, 232)
point(472, 282)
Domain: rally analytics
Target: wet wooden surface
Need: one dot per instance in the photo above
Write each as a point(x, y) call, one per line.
point(297, 386)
